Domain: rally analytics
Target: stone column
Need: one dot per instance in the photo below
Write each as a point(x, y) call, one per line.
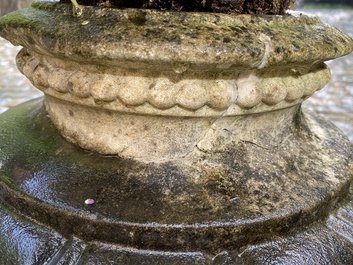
point(185, 131)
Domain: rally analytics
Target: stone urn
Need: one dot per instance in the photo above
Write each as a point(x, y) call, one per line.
point(173, 138)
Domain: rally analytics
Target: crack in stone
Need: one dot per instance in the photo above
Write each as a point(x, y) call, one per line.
point(264, 147)
point(234, 96)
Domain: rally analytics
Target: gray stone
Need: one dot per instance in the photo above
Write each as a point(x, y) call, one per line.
point(194, 148)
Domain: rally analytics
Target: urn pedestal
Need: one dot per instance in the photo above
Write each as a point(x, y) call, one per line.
point(187, 131)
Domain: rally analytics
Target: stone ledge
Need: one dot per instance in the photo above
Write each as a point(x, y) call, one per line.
point(135, 38)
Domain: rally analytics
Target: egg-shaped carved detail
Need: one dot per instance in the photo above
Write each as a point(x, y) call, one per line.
point(104, 88)
point(221, 94)
point(249, 89)
point(29, 67)
point(80, 84)
point(192, 96)
point(295, 87)
point(58, 80)
point(22, 58)
point(40, 76)
point(162, 91)
point(161, 95)
point(315, 80)
point(134, 91)
point(274, 90)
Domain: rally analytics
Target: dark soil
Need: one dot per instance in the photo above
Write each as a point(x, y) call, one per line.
point(273, 7)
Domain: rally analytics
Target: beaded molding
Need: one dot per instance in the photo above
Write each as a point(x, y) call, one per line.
point(168, 93)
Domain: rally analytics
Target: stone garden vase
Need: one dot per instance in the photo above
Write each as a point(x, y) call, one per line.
point(186, 129)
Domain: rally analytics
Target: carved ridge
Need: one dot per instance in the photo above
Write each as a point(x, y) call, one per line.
point(245, 90)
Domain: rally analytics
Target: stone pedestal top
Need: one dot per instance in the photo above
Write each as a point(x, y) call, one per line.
point(175, 41)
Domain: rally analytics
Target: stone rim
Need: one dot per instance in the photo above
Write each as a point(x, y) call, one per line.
point(141, 43)
point(208, 237)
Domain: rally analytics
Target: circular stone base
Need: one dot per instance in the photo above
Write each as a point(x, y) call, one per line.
point(234, 205)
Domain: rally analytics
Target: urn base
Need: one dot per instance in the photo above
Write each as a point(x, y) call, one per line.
point(289, 202)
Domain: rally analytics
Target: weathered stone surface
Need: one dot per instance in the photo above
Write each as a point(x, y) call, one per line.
point(219, 66)
point(172, 94)
point(135, 38)
point(24, 243)
point(206, 156)
point(206, 206)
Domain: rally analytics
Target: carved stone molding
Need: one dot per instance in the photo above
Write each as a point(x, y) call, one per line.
point(191, 94)
point(110, 74)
